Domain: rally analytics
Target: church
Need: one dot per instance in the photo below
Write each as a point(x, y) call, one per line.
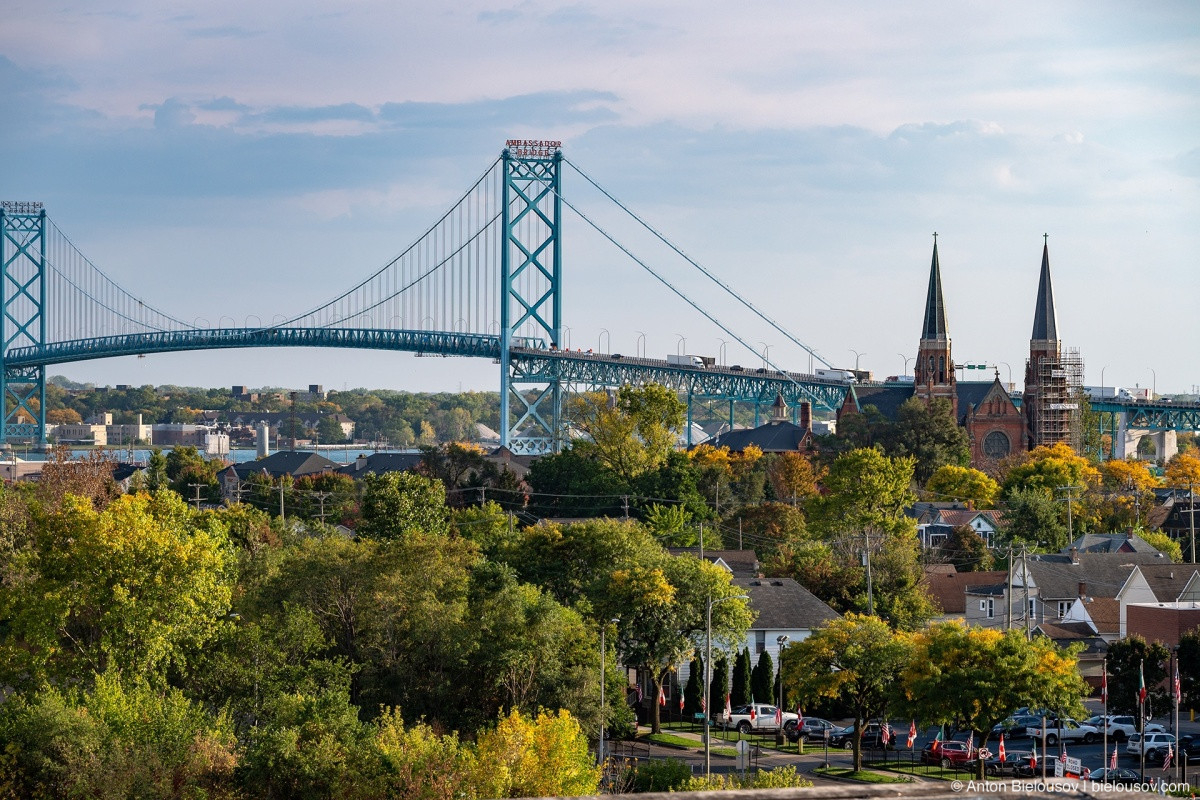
point(997, 423)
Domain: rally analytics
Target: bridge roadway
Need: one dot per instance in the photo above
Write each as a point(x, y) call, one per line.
point(532, 359)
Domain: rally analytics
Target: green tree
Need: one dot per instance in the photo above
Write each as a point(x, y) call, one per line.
point(329, 430)
point(633, 435)
point(1188, 659)
point(1048, 468)
point(966, 550)
point(855, 659)
point(156, 471)
point(964, 484)
point(739, 689)
point(396, 505)
point(1032, 517)
point(719, 685)
point(866, 489)
point(762, 680)
point(930, 434)
point(900, 594)
point(974, 677)
point(137, 589)
point(1128, 660)
point(693, 690)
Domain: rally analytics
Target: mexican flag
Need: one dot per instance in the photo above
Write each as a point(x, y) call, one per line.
point(912, 733)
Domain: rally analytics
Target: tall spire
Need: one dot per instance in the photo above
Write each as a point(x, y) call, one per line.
point(934, 326)
point(1045, 321)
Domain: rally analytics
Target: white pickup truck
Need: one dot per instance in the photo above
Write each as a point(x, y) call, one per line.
point(1069, 730)
point(763, 718)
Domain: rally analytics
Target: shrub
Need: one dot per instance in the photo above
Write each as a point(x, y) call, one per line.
point(666, 775)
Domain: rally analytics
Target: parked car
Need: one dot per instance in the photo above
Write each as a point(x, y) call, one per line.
point(1067, 729)
point(762, 720)
point(1017, 727)
point(1121, 727)
point(1149, 743)
point(813, 730)
point(872, 738)
point(1119, 775)
point(946, 754)
point(1026, 769)
point(1009, 767)
point(1189, 748)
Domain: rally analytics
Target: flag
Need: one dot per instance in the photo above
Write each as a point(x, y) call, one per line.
point(970, 743)
point(937, 741)
point(885, 733)
point(752, 714)
point(1167, 757)
point(638, 688)
point(1104, 686)
point(1178, 693)
point(799, 718)
point(1033, 759)
point(680, 704)
point(728, 708)
point(1112, 762)
point(912, 733)
point(1141, 682)
point(778, 717)
point(1003, 757)
point(662, 698)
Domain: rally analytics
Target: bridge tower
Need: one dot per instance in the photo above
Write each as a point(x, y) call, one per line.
point(530, 294)
point(22, 319)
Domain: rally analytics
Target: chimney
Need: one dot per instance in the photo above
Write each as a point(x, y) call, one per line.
point(1074, 554)
point(1083, 588)
point(806, 415)
point(360, 462)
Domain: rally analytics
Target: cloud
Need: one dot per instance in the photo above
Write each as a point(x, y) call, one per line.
point(222, 104)
point(224, 32)
point(171, 113)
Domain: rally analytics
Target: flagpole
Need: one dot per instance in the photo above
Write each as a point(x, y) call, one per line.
point(1104, 696)
point(1142, 720)
point(1176, 691)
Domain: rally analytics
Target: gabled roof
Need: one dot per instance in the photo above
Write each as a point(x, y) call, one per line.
point(971, 394)
point(1106, 614)
point(774, 437)
point(1111, 543)
point(1104, 573)
point(381, 464)
point(925, 512)
point(286, 462)
point(784, 604)
point(934, 323)
point(948, 586)
point(1045, 321)
point(887, 399)
point(1167, 581)
point(956, 517)
point(742, 563)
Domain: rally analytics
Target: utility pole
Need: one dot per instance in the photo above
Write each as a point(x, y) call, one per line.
point(867, 562)
point(1009, 592)
point(1070, 525)
point(197, 487)
point(625, 502)
point(281, 514)
point(321, 501)
point(1025, 584)
point(1191, 512)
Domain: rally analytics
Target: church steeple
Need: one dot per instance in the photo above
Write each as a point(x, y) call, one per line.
point(934, 373)
point(934, 326)
point(1045, 321)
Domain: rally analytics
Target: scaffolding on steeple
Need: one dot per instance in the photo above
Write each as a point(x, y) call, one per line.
point(1054, 414)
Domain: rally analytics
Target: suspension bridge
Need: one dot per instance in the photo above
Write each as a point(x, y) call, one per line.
point(484, 281)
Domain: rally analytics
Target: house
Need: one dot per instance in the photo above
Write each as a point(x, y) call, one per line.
point(951, 590)
point(779, 435)
point(935, 524)
point(296, 463)
point(1153, 584)
point(380, 464)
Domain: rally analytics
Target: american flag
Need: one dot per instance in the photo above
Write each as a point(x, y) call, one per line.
point(1178, 693)
point(1112, 762)
point(1167, 757)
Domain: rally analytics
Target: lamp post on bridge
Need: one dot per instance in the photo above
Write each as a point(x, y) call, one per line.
point(1153, 383)
point(1102, 379)
point(566, 329)
point(680, 344)
point(721, 351)
point(906, 360)
point(640, 347)
point(857, 356)
point(603, 333)
point(1009, 368)
point(766, 353)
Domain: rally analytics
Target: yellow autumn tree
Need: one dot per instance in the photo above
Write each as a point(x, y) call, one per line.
point(794, 477)
point(543, 756)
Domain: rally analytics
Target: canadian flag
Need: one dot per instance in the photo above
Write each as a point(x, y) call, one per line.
point(1002, 754)
point(728, 708)
point(778, 717)
point(752, 714)
point(681, 703)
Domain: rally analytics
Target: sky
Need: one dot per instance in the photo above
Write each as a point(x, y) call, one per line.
point(242, 160)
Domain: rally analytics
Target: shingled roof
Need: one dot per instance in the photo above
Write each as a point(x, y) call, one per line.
point(783, 604)
point(742, 563)
point(1058, 578)
point(777, 436)
point(286, 462)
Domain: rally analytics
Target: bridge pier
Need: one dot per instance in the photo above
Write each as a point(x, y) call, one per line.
point(1127, 439)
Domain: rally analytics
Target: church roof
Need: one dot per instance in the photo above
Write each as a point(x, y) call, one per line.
point(888, 399)
point(774, 437)
point(1045, 321)
point(934, 326)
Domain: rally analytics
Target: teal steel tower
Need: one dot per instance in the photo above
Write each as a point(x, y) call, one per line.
point(22, 319)
point(530, 294)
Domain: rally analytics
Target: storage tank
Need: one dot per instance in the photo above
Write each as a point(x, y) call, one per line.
point(264, 440)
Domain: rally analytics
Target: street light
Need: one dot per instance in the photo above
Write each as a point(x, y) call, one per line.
point(906, 360)
point(766, 353)
point(857, 356)
point(1102, 379)
point(708, 672)
point(1153, 383)
point(1009, 368)
point(721, 350)
point(680, 344)
point(780, 640)
point(603, 658)
point(567, 336)
point(603, 333)
point(640, 347)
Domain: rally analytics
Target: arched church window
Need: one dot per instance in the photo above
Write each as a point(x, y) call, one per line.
point(996, 445)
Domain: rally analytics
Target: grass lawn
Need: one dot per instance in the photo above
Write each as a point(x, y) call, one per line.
point(925, 771)
point(864, 775)
point(670, 740)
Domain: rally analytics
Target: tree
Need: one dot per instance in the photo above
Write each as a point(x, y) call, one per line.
point(693, 690)
point(855, 659)
point(401, 504)
point(974, 677)
point(964, 484)
point(329, 430)
point(1188, 659)
point(543, 756)
point(1124, 495)
point(1182, 470)
point(136, 589)
point(793, 477)
point(762, 680)
point(770, 527)
point(1031, 516)
point(1128, 660)
point(739, 689)
point(63, 416)
point(966, 550)
point(1047, 469)
point(900, 594)
point(866, 489)
point(719, 686)
point(930, 434)
point(633, 435)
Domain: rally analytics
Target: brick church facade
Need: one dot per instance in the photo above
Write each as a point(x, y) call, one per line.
point(993, 422)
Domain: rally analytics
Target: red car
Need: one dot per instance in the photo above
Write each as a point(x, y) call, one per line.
point(946, 754)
